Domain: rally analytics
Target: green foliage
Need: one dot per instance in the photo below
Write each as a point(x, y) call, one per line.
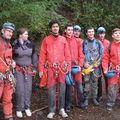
point(35, 14)
point(94, 12)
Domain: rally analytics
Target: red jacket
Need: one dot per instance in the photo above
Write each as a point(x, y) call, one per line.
point(105, 43)
point(112, 56)
point(54, 50)
point(79, 39)
point(5, 55)
point(75, 46)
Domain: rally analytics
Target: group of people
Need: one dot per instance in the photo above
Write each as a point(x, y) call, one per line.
point(62, 55)
point(93, 58)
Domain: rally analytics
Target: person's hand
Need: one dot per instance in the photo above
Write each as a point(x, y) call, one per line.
point(86, 65)
point(96, 65)
point(105, 72)
point(79, 68)
point(40, 74)
point(13, 64)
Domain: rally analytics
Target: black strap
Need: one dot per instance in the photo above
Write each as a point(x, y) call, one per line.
point(109, 47)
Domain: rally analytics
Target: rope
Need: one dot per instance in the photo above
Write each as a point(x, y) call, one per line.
point(39, 109)
point(97, 75)
point(62, 71)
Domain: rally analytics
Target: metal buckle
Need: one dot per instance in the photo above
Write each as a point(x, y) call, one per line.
point(2, 76)
point(55, 65)
point(118, 67)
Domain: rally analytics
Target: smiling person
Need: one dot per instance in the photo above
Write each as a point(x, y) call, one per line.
point(26, 66)
point(6, 62)
point(92, 50)
point(111, 57)
point(54, 51)
point(77, 60)
point(101, 32)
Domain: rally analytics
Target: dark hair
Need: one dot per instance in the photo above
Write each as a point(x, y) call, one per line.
point(87, 28)
point(69, 24)
point(53, 22)
point(21, 31)
point(116, 29)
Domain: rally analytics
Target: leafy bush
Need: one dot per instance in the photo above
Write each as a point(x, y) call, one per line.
point(35, 14)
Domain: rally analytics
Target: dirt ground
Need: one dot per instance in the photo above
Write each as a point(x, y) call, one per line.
point(39, 109)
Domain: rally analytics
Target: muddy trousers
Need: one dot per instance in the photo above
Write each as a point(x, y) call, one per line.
point(23, 91)
point(56, 94)
point(100, 86)
point(6, 92)
point(112, 93)
point(68, 95)
point(90, 83)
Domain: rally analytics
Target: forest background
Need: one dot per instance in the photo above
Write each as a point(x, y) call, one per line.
point(36, 14)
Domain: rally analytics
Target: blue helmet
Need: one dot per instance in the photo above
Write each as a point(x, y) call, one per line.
point(77, 27)
point(9, 25)
point(69, 80)
point(75, 70)
point(101, 30)
point(110, 74)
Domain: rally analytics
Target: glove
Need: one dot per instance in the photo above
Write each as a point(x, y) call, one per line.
point(40, 74)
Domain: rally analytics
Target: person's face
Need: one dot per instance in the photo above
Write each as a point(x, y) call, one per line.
point(76, 33)
point(55, 29)
point(24, 36)
point(116, 36)
point(101, 36)
point(90, 34)
point(69, 31)
point(7, 33)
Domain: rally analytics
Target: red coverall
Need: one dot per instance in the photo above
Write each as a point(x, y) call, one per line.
point(75, 46)
point(77, 58)
point(6, 89)
point(81, 40)
point(105, 44)
point(112, 57)
point(54, 50)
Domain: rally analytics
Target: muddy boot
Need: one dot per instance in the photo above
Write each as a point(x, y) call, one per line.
point(19, 114)
point(63, 113)
point(99, 99)
point(50, 115)
point(84, 105)
point(95, 102)
point(109, 108)
point(68, 108)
